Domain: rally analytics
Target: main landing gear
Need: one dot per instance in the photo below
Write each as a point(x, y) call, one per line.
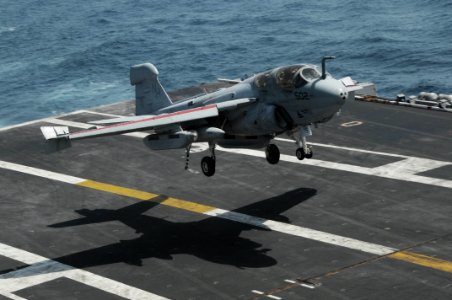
point(208, 162)
point(272, 154)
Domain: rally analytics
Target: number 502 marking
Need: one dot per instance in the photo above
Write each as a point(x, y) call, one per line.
point(302, 96)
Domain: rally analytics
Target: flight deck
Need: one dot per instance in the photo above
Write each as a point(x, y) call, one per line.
point(368, 217)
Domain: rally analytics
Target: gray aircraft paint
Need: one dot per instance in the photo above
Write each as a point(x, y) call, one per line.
point(248, 114)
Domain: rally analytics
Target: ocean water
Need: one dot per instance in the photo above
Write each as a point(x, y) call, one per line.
point(59, 56)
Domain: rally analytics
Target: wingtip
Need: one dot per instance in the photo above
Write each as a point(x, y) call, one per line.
point(55, 132)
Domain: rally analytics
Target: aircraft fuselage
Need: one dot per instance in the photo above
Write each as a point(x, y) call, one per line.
point(286, 97)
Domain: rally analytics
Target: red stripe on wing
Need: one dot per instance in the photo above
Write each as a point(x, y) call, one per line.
point(150, 118)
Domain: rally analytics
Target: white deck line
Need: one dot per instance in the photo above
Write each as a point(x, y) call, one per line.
point(69, 123)
point(42, 270)
point(101, 114)
point(40, 172)
point(257, 292)
point(12, 296)
point(38, 120)
point(304, 232)
point(56, 118)
point(346, 148)
point(411, 165)
point(290, 229)
point(404, 174)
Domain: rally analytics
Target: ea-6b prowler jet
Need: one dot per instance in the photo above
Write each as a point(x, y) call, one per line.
point(248, 114)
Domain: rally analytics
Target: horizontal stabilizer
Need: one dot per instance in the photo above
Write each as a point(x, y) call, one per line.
point(233, 81)
point(55, 132)
point(350, 84)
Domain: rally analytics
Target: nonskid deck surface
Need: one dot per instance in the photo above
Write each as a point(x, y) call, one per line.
point(367, 217)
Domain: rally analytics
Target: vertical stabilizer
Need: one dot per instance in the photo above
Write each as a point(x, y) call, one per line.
point(149, 93)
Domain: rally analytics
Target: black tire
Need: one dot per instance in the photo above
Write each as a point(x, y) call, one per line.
point(300, 154)
point(310, 152)
point(208, 166)
point(272, 154)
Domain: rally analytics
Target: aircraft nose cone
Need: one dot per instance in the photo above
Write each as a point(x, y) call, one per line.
point(329, 95)
point(343, 95)
point(332, 90)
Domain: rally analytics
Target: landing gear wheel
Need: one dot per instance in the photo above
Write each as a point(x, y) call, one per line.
point(310, 152)
point(272, 154)
point(208, 166)
point(300, 154)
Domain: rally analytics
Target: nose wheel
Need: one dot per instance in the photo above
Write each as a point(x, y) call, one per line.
point(304, 150)
point(302, 154)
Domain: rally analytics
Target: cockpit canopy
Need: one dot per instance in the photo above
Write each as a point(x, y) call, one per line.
point(289, 78)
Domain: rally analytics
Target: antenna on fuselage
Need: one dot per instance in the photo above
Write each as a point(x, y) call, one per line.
point(323, 65)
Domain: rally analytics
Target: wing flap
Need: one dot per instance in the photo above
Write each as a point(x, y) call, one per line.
point(119, 120)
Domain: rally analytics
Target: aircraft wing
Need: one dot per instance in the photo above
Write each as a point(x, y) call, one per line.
point(145, 123)
point(141, 123)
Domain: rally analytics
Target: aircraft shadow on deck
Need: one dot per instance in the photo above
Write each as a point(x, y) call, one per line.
point(213, 239)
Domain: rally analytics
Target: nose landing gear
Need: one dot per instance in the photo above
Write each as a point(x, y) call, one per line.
point(301, 154)
point(207, 163)
point(304, 150)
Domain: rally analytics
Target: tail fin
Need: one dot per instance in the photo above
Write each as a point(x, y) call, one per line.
point(149, 93)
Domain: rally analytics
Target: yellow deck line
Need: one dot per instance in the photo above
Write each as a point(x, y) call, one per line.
point(407, 256)
point(423, 260)
point(187, 205)
point(118, 190)
point(137, 194)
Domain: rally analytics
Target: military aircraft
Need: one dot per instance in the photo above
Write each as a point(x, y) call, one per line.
point(248, 114)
